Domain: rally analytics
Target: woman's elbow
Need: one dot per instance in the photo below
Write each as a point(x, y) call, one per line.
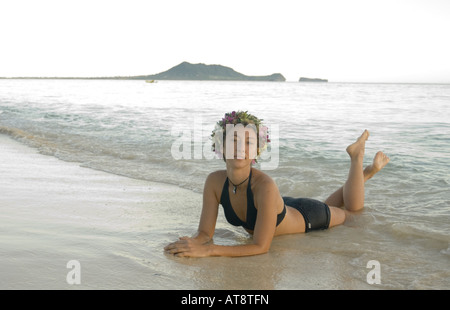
point(262, 248)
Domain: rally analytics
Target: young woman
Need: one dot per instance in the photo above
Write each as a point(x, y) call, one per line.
point(251, 199)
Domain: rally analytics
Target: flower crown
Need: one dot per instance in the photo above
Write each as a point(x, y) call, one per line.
point(234, 118)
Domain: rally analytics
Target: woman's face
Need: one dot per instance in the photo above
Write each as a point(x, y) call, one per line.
point(245, 144)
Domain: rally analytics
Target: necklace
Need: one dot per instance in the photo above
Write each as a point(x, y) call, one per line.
point(235, 186)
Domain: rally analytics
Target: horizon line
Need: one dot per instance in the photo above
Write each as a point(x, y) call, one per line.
point(133, 77)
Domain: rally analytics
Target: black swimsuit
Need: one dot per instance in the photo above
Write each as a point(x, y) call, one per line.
point(231, 216)
point(315, 213)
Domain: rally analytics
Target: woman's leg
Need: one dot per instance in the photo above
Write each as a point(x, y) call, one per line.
point(354, 198)
point(337, 216)
point(353, 190)
point(380, 160)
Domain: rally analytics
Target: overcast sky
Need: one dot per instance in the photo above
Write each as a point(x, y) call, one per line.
point(343, 41)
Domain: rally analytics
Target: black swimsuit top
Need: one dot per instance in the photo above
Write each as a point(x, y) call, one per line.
point(231, 216)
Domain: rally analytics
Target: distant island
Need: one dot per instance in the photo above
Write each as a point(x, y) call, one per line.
point(185, 71)
point(188, 71)
point(304, 79)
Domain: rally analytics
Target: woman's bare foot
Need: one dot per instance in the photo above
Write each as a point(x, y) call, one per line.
point(356, 150)
point(379, 161)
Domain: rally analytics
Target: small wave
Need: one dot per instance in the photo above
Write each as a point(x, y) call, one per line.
point(15, 133)
point(419, 230)
point(447, 251)
point(28, 138)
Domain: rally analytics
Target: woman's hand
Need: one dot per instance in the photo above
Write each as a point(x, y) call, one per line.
point(188, 247)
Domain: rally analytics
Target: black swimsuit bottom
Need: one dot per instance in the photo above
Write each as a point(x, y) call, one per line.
point(315, 213)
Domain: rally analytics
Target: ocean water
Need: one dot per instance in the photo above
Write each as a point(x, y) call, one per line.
point(160, 133)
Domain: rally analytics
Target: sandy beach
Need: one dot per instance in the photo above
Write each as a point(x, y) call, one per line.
point(55, 211)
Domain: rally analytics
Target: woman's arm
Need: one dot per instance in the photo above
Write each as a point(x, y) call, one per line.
point(265, 226)
point(210, 209)
point(208, 219)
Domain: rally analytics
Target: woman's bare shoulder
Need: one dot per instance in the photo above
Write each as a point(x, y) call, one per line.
point(264, 183)
point(262, 178)
point(216, 177)
point(214, 183)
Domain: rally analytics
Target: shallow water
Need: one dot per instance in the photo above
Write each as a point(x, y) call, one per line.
point(128, 128)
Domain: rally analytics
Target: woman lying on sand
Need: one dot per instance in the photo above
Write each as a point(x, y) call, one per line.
point(251, 198)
